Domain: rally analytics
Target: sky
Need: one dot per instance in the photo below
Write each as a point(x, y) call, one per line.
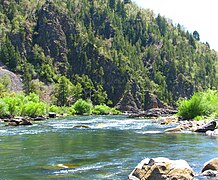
point(199, 15)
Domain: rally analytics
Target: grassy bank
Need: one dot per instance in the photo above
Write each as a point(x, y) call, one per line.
point(200, 105)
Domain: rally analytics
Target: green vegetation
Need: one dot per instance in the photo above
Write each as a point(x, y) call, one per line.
point(66, 50)
point(82, 107)
point(104, 110)
point(200, 104)
point(31, 106)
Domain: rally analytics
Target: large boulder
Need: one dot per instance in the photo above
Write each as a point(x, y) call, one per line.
point(211, 168)
point(162, 168)
point(15, 83)
point(211, 165)
point(210, 126)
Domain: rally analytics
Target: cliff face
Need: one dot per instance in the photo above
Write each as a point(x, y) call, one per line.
point(15, 83)
point(123, 51)
point(52, 32)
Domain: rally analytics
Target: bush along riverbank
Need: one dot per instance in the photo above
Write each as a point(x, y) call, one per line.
point(18, 109)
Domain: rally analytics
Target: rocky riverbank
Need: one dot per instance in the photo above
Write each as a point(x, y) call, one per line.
point(20, 121)
point(166, 116)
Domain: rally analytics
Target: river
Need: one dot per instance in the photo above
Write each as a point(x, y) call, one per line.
point(109, 149)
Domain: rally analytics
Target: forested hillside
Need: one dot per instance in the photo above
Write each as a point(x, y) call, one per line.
point(109, 51)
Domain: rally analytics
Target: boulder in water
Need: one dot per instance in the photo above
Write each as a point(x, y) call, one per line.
point(81, 127)
point(208, 126)
point(162, 168)
point(210, 168)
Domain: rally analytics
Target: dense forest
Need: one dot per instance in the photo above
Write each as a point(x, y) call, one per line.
point(108, 51)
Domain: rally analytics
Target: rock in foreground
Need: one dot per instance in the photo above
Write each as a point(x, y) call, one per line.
point(211, 168)
point(162, 168)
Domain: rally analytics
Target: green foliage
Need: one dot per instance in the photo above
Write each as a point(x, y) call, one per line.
point(104, 110)
point(82, 107)
point(33, 109)
point(12, 105)
point(65, 91)
point(18, 104)
point(71, 111)
point(3, 108)
point(101, 110)
point(54, 108)
point(200, 104)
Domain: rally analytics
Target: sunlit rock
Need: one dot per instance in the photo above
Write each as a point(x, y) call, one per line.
point(210, 168)
point(162, 168)
point(173, 130)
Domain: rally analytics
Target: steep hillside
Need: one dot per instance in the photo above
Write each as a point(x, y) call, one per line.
point(110, 50)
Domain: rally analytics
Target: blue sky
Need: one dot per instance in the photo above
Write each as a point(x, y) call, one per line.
point(194, 15)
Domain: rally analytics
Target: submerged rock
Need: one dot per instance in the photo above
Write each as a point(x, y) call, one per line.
point(81, 127)
point(162, 168)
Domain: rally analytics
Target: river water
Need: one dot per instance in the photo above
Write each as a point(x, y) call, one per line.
point(109, 149)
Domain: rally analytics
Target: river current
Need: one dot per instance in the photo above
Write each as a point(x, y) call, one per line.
point(109, 149)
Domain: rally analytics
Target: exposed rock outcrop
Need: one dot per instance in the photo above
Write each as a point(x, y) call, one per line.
point(162, 168)
point(15, 81)
point(127, 104)
point(152, 101)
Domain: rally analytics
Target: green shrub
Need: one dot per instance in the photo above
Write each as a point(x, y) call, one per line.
point(32, 109)
point(55, 109)
point(101, 110)
point(33, 97)
point(82, 107)
point(200, 104)
point(3, 108)
point(13, 106)
point(71, 111)
point(115, 111)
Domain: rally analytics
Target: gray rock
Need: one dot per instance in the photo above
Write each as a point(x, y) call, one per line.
point(208, 126)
